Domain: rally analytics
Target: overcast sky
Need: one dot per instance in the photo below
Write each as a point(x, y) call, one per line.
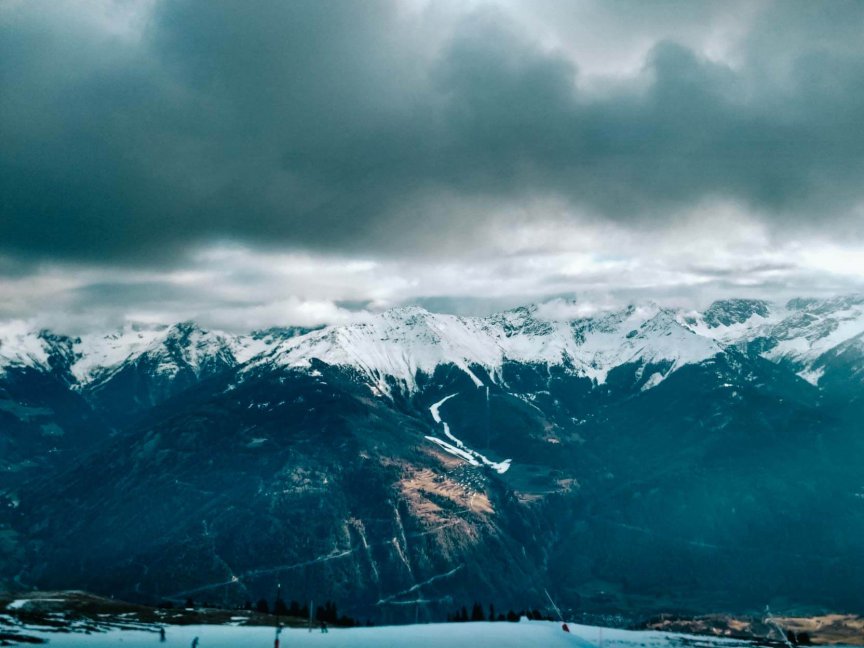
point(260, 163)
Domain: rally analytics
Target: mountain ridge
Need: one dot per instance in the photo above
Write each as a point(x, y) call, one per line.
point(402, 341)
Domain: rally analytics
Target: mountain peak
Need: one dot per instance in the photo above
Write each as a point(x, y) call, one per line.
point(184, 329)
point(406, 312)
point(825, 306)
point(727, 312)
point(19, 346)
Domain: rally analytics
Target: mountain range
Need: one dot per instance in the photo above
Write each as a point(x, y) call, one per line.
point(638, 460)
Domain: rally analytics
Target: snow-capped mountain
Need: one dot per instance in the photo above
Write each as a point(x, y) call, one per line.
point(403, 342)
point(796, 333)
point(398, 345)
point(95, 356)
point(21, 347)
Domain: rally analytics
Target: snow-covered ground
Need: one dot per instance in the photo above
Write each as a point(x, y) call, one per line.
point(452, 635)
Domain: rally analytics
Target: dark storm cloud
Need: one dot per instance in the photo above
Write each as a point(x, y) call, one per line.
point(131, 294)
point(341, 125)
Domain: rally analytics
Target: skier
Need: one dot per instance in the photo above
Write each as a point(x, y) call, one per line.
point(324, 629)
point(278, 632)
point(195, 642)
point(162, 635)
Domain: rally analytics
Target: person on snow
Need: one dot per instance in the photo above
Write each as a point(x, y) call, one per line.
point(324, 627)
point(162, 635)
point(195, 642)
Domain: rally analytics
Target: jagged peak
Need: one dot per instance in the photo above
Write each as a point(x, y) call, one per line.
point(185, 328)
point(408, 310)
point(728, 312)
point(282, 332)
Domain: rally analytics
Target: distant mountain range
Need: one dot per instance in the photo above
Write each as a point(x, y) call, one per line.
point(639, 460)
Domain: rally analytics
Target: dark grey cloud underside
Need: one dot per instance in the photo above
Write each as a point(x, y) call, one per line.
point(323, 125)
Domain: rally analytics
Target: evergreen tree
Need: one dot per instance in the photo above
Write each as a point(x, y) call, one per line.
point(327, 612)
point(262, 607)
point(477, 613)
point(346, 622)
point(491, 612)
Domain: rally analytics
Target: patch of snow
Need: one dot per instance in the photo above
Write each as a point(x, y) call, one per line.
point(245, 347)
point(458, 448)
point(20, 604)
point(458, 452)
point(812, 375)
point(98, 353)
point(790, 348)
point(434, 408)
point(477, 382)
point(653, 380)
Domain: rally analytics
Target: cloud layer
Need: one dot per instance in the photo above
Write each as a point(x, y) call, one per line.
point(140, 135)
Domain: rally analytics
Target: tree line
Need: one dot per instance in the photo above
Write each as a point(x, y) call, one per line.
point(326, 613)
point(478, 613)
